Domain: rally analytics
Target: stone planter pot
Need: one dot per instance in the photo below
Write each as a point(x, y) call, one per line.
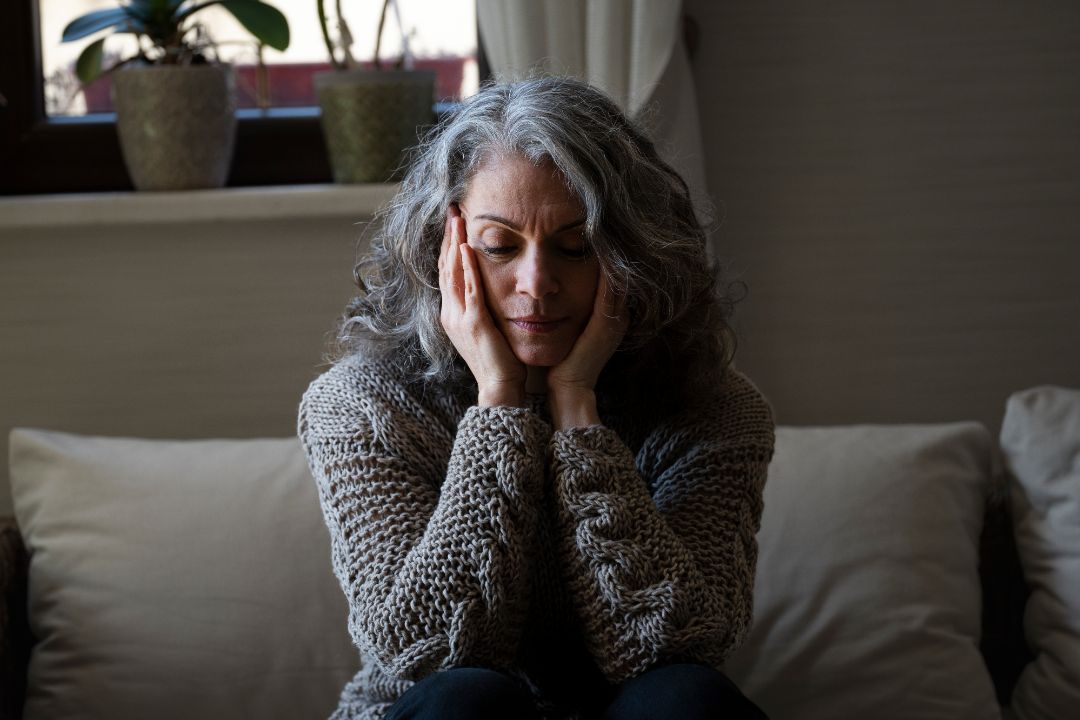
point(177, 124)
point(369, 117)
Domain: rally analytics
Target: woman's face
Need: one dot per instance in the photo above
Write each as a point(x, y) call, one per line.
point(527, 229)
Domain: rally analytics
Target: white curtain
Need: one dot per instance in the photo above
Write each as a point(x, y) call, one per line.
point(630, 49)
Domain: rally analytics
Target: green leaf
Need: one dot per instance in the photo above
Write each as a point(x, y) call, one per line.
point(265, 22)
point(158, 13)
point(93, 22)
point(156, 6)
point(88, 66)
point(143, 9)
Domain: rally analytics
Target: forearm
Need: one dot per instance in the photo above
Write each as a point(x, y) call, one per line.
point(644, 592)
point(573, 409)
point(453, 588)
point(501, 395)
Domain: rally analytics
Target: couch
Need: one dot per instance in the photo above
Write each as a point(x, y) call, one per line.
point(905, 571)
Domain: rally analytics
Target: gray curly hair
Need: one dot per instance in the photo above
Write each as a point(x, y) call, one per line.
point(640, 224)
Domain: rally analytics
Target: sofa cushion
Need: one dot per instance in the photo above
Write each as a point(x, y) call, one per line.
point(177, 579)
point(162, 571)
point(867, 595)
point(1041, 441)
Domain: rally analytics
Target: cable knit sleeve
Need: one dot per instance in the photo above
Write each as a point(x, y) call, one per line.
point(430, 537)
point(660, 552)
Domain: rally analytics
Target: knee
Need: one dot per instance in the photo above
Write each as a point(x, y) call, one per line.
point(464, 694)
point(685, 690)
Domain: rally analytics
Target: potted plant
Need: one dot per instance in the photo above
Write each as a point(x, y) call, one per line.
point(175, 102)
point(369, 117)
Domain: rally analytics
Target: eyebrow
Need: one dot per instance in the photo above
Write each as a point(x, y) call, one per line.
point(517, 228)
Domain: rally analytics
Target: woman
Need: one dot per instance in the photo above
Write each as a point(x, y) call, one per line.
point(541, 477)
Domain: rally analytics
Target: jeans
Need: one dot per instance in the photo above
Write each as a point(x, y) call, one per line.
point(671, 692)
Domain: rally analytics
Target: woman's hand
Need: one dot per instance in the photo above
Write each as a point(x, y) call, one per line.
point(500, 376)
point(571, 383)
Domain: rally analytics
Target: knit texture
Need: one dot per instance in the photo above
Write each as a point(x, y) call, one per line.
point(470, 536)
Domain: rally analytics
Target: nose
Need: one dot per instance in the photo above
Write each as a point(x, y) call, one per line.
point(535, 276)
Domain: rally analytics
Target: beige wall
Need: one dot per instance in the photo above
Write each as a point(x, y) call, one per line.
point(901, 190)
point(185, 330)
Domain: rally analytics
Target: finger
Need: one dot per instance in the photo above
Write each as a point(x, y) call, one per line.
point(600, 301)
point(446, 281)
point(605, 298)
point(448, 309)
point(458, 225)
point(615, 302)
point(474, 283)
point(445, 243)
point(449, 284)
point(612, 307)
point(444, 252)
point(457, 273)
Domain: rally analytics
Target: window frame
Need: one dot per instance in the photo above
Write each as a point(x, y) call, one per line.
point(39, 154)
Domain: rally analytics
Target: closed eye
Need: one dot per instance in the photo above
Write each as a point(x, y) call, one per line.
point(497, 250)
point(500, 250)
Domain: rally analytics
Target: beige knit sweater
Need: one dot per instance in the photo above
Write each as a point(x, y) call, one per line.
point(470, 536)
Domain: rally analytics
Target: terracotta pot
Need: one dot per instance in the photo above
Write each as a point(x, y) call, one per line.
point(369, 118)
point(177, 124)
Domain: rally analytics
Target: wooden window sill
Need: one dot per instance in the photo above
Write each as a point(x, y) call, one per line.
point(226, 204)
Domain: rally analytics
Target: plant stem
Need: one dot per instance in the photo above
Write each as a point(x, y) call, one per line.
point(378, 36)
point(323, 23)
point(262, 82)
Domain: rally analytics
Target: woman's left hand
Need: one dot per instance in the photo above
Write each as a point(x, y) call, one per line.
point(572, 382)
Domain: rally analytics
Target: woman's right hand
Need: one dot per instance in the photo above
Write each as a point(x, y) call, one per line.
point(500, 376)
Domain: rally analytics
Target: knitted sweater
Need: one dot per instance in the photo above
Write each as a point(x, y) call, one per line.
point(475, 536)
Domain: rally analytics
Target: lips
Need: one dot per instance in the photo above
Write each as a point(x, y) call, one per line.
point(537, 324)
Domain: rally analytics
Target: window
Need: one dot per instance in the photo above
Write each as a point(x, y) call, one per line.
point(58, 139)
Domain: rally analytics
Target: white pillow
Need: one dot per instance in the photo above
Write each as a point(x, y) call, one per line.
point(177, 579)
point(867, 598)
point(1041, 440)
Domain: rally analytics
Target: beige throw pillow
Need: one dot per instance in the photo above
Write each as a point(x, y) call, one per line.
point(177, 579)
point(867, 597)
point(1041, 440)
